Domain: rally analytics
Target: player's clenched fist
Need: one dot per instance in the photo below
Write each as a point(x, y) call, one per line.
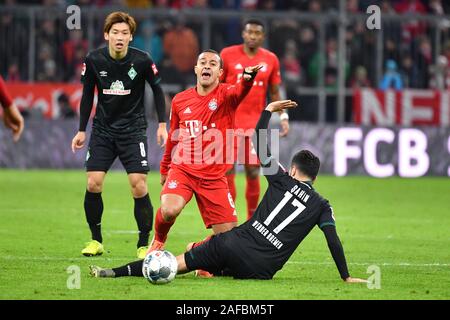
point(250, 72)
point(78, 141)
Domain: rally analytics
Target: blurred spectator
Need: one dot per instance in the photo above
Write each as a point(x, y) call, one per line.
point(267, 5)
point(13, 74)
point(290, 65)
point(46, 69)
point(331, 65)
point(408, 70)
point(181, 45)
point(412, 28)
point(435, 7)
point(200, 4)
point(352, 6)
point(446, 51)
point(392, 78)
point(138, 3)
point(280, 31)
point(48, 66)
point(65, 109)
point(249, 4)
point(307, 44)
point(391, 50)
point(440, 74)
point(13, 44)
point(149, 41)
point(360, 79)
point(361, 49)
point(423, 57)
point(74, 52)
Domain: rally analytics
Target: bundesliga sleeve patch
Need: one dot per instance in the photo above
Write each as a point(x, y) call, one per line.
point(155, 70)
point(83, 70)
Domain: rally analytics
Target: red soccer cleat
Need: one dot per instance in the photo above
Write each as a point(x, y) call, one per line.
point(156, 245)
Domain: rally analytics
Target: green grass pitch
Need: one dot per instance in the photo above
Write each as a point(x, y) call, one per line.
point(400, 225)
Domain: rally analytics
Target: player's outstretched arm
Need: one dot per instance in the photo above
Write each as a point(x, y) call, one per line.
point(236, 93)
point(260, 136)
point(337, 251)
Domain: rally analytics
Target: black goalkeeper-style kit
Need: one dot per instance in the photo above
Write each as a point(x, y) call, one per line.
point(119, 125)
point(260, 247)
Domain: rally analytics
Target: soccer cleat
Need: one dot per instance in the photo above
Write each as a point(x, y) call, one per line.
point(142, 252)
point(203, 274)
point(155, 245)
point(98, 272)
point(93, 248)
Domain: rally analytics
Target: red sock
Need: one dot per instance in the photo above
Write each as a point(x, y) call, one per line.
point(232, 185)
point(201, 242)
point(162, 227)
point(252, 195)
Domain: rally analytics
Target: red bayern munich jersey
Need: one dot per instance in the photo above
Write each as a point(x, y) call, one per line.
point(234, 61)
point(195, 147)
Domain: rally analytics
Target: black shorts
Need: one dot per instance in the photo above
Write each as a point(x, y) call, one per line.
point(217, 258)
point(132, 153)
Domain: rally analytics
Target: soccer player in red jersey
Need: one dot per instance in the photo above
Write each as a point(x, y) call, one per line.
point(200, 117)
point(235, 59)
point(11, 114)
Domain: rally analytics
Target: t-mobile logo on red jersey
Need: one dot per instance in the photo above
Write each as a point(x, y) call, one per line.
point(194, 127)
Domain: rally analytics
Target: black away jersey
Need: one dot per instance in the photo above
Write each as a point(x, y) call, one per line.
point(120, 86)
point(287, 213)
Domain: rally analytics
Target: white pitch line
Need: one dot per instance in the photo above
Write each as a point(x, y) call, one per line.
point(384, 264)
point(67, 258)
point(104, 258)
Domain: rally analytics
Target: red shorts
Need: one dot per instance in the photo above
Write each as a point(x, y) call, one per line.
point(213, 196)
point(244, 151)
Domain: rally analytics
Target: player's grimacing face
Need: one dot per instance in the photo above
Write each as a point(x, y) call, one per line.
point(119, 36)
point(208, 68)
point(253, 35)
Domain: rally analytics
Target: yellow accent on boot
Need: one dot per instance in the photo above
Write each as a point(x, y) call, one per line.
point(93, 248)
point(142, 252)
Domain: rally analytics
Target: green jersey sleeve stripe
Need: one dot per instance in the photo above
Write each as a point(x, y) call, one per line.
point(327, 224)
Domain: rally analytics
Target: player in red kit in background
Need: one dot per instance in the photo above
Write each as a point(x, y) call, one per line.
point(11, 115)
point(235, 59)
point(197, 113)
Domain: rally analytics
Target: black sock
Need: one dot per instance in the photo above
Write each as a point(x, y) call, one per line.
point(93, 207)
point(143, 213)
point(133, 269)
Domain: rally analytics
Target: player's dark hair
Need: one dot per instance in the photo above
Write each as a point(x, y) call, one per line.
point(307, 163)
point(119, 17)
point(253, 21)
point(215, 52)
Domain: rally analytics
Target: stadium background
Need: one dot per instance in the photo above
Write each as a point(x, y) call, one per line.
point(331, 63)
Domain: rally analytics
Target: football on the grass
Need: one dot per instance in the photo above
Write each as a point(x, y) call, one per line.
point(160, 267)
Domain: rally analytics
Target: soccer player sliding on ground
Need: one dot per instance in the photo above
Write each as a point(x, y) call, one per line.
point(261, 246)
